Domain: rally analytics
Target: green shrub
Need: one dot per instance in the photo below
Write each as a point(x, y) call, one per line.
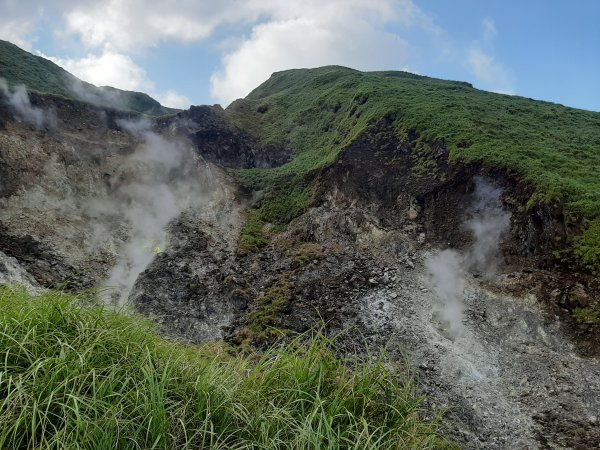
point(267, 308)
point(307, 252)
point(589, 315)
point(587, 247)
point(253, 235)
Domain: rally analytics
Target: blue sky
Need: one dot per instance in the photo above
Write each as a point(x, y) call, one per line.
point(202, 52)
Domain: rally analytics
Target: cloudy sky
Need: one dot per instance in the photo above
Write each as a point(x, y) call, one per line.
point(203, 51)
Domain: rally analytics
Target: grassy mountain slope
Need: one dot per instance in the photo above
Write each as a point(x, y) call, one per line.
point(38, 74)
point(317, 112)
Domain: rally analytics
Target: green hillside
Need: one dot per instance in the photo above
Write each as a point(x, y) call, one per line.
point(38, 74)
point(317, 112)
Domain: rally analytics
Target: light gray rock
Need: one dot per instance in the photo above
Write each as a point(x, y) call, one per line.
point(12, 274)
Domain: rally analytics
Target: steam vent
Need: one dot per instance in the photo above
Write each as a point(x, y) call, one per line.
point(341, 259)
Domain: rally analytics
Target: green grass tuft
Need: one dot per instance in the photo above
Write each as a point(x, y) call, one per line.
point(73, 375)
point(587, 249)
point(253, 235)
point(589, 315)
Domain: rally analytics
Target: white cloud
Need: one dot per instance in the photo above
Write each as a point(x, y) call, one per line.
point(489, 30)
point(134, 25)
point(488, 71)
point(18, 20)
point(504, 91)
point(107, 69)
point(173, 100)
point(120, 71)
point(17, 32)
point(483, 66)
point(284, 34)
point(313, 34)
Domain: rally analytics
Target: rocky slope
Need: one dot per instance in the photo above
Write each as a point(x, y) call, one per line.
point(95, 197)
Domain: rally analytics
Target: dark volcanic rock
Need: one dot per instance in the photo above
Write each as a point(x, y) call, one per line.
point(183, 287)
point(40, 260)
point(218, 140)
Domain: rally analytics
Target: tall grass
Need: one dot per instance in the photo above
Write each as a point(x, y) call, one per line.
point(78, 376)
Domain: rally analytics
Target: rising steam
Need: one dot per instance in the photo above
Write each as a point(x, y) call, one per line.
point(23, 110)
point(153, 186)
point(487, 221)
point(446, 277)
point(100, 96)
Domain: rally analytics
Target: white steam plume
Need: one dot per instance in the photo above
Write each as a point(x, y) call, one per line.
point(488, 222)
point(446, 276)
point(99, 96)
point(19, 100)
point(446, 270)
point(156, 183)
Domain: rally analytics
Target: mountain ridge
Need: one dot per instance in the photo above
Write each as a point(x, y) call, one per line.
point(21, 68)
point(319, 112)
point(304, 118)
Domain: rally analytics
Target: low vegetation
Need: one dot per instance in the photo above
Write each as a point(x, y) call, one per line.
point(253, 235)
point(309, 251)
point(318, 112)
point(37, 74)
point(587, 249)
point(267, 308)
point(589, 315)
point(73, 375)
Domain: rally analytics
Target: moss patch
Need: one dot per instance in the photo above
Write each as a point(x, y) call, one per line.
point(308, 252)
point(589, 315)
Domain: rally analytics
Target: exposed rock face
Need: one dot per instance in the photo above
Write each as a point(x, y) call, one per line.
point(12, 274)
point(218, 140)
point(515, 365)
point(511, 380)
point(184, 287)
point(69, 193)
